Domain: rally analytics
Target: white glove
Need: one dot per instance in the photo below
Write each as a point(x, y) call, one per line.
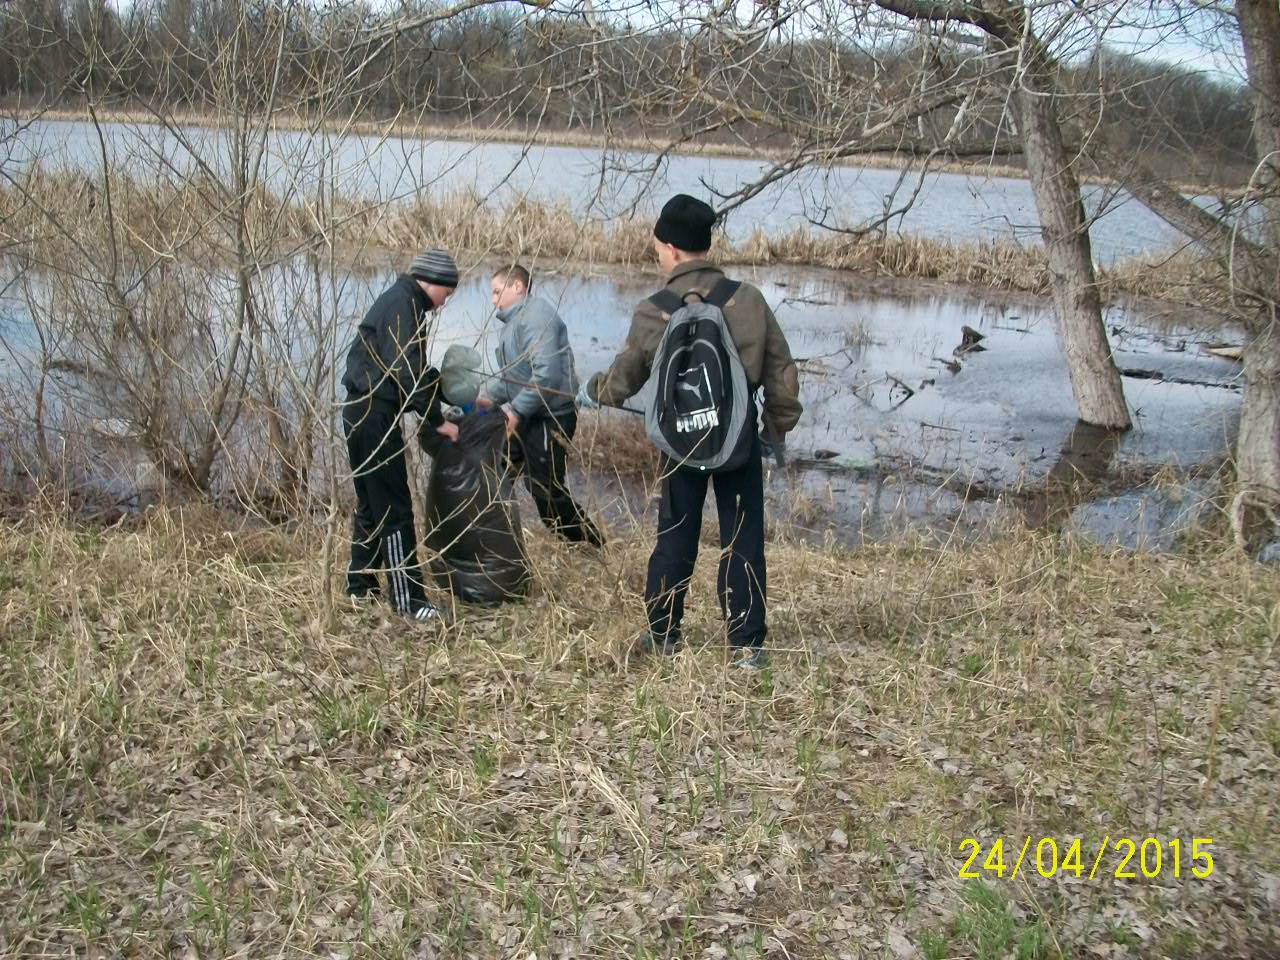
point(583, 400)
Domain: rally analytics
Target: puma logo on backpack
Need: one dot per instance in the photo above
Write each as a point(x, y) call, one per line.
point(702, 415)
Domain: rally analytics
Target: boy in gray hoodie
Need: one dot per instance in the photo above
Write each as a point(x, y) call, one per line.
point(535, 392)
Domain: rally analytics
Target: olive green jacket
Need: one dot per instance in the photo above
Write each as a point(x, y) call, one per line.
point(766, 358)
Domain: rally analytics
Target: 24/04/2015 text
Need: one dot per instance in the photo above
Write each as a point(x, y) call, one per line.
point(1125, 858)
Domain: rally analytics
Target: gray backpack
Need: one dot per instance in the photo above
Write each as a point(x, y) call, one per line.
point(702, 413)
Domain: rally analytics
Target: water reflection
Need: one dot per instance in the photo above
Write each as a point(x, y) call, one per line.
point(1084, 460)
point(1083, 463)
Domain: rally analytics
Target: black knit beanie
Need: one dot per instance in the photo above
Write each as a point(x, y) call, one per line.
point(685, 223)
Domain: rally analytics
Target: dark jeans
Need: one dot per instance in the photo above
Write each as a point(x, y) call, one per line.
point(742, 577)
point(539, 451)
point(382, 531)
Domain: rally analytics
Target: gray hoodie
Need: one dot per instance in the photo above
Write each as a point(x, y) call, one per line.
point(534, 349)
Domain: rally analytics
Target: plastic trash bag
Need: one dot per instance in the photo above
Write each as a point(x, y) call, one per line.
point(460, 375)
point(473, 522)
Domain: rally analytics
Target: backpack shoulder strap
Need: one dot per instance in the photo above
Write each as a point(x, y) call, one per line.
point(668, 301)
point(722, 292)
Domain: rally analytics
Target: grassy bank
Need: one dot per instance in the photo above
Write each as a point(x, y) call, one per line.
point(193, 763)
point(62, 215)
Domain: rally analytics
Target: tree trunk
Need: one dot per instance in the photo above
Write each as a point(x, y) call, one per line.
point(1258, 446)
point(1257, 503)
point(1095, 378)
point(1260, 35)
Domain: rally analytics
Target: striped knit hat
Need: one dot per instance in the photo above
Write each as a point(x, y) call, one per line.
point(435, 266)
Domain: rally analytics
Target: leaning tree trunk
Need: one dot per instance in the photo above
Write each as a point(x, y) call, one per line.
point(1095, 378)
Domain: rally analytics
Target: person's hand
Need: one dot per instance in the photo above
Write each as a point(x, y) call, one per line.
point(484, 403)
point(775, 450)
point(513, 420)
point(449, 431)
point(583, 399)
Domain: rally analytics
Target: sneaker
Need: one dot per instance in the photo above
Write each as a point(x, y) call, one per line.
point(750, 658)
point(425, 611)
point(667, 647)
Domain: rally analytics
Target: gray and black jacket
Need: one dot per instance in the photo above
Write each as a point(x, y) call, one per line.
point(387, 361)
point(534, 349)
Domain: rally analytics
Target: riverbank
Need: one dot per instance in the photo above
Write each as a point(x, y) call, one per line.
point(196, 760)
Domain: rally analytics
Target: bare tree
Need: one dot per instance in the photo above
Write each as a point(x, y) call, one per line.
point(1012, 29)
point(1246, 243)
point(922, 99)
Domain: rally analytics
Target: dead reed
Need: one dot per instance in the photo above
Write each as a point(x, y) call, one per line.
point(186, 216)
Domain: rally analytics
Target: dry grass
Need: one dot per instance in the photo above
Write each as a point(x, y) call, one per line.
point(614, 446)
point(191, 764)
point(1180, 277)
point(58, 215)
point(1002, 266)
point(552, 230)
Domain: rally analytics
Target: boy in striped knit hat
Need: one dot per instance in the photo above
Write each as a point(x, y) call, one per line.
point(387, 375)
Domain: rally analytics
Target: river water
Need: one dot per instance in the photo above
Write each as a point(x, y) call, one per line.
point(599, 185)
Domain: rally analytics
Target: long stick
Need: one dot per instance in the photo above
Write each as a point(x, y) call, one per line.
point(534, 386)
point(777, 454)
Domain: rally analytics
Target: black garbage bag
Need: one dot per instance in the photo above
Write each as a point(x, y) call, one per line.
point(473, 523)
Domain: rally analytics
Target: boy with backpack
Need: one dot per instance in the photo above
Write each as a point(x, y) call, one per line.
point(713, 343)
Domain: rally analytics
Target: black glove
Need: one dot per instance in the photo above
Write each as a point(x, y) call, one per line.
point(776, 450)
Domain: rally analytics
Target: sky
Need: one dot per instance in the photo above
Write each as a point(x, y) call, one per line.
point(1203, 41)
point(1174, 31)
